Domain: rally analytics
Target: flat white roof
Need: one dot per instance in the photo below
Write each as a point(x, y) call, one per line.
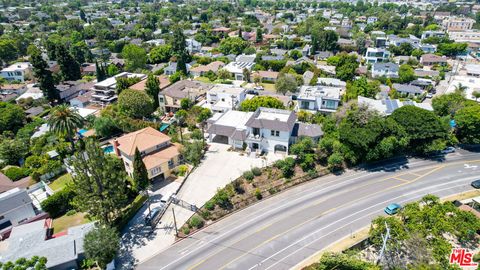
point(471, 83)
point(235, 119)
point(268, 115)
point(225, 88)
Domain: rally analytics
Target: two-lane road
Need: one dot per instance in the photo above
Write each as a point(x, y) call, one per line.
point(280, 232)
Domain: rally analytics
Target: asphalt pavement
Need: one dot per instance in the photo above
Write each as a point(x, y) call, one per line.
point(281, 231)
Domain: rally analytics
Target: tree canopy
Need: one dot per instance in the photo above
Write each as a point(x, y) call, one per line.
point(136, 104)
point(426, 131)
point(12, 117)
point(135, 57)
point(232, 45)
point(99, 182)
point(251, 105)
point(101, 245)
point(467, 120)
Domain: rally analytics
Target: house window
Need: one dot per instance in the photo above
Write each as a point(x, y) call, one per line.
point(127, 165)
point(170, 163)
point(156, 170)
point(275, 133)
point(161, 100)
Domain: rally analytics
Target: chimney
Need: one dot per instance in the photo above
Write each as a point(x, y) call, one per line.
point(115, 147)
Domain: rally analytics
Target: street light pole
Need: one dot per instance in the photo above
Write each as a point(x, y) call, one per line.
point(175, 222)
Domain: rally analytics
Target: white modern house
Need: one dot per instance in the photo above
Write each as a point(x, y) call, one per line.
point(15, 207)
point(318, 98)
point(374, 55)
point(20, 71)
point(265, 130)
point(224, 97)
point(105, 91)
point(241, 63)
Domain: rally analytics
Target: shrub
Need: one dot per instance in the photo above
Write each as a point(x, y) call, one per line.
point(186, 230)
point(197, 134)
point(272, 190)
point(210, 205)
point(222, 199)
point(287, 166)
point(256, 171)
point(237, 186)
point(335, 162)
point(258, 194)
point(248, 175)
point(59, 203)
point(312, 173)
point(205, 214)
point(71, 212)
point(196, 222)
point(16, 173)
point(182, 170)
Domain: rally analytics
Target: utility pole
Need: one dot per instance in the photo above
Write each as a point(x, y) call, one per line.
point(175, 222)
point(384, 246)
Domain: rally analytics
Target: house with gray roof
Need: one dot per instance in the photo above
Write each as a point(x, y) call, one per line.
point(389, 70)
point(265, 130)
point(170, 97)
point(64, 251)
point(408, 90)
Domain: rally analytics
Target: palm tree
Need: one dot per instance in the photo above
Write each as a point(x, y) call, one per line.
point(460, 88)
point(65, 121)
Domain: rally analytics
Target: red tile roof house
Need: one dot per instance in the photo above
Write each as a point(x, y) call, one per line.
point(159, 154)
point(201, 70)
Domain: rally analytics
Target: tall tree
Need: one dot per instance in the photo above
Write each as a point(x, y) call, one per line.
point(135, 57)
point(135, 104)
point(100, 72)
point(286, 83)
point(140, 173)
point(100, 183)
point(152, 87)
point(69, 67)
point(259, 36)
point(65, 121)
point(179, 48)
point(43, 75)
point(101, 245)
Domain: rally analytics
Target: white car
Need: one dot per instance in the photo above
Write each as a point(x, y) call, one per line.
point(448, 150)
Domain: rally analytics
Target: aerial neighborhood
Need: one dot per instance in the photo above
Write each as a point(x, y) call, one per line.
point(239, 134)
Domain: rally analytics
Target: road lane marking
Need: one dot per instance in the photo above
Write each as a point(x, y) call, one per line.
point(315, 240)
point(334, 180)
point(317, 202)
point(400, 179)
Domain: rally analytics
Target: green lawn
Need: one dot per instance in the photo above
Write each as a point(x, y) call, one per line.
point(64, 222)
point(203, 79)
point(60, 182)
point(269, 86)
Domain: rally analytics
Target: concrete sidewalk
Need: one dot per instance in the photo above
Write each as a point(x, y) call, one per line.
point(218, 168)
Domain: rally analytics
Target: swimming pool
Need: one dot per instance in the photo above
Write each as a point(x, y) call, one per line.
point(108, 149)
point(82, 131)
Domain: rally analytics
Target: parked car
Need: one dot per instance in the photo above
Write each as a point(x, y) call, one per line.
point(429, 95)
point(448, 150)
point(252, 92)
point(153, 214)
point(258, 87)
point(476, 184)
point(393, 208)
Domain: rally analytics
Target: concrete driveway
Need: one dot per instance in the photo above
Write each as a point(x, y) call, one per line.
point(218, 168)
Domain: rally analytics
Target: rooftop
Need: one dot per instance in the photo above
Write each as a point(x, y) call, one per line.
point(142, 139)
